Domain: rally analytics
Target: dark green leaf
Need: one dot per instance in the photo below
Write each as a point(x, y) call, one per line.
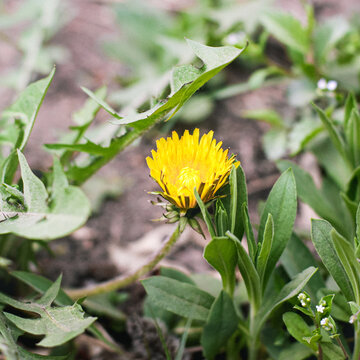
point(321, 237)
point(265, 247)
point(298, 328)
point(178, 297)
point(291, 289)
point(346, 254)
point(238, 197)
point(249, 233)
point(221, 254)
point(221, 324)
point(281, 204)
point(248, 272)
point(296, 258)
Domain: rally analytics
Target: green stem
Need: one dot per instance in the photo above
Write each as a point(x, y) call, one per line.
point(122, 281)
point(356, 353)
point(253, 335)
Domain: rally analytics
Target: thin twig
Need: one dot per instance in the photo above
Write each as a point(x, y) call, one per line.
point(123, 281)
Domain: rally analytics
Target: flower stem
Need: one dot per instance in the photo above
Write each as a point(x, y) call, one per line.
point(122, 281)
point(356, 353)
point(342, 347)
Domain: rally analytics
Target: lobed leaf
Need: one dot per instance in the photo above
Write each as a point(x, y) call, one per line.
point(44, 219)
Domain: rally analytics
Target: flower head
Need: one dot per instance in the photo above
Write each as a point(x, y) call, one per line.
point(181, 164)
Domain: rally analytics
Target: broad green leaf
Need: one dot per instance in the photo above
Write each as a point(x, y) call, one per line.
point(332, 351)
point(346, 254)
point(57, 324)
point(66, 211)
point(286, 29)
point(309, 193)
point(321, 237)
point(248, 272)
point(298, 328)
point(281, 204)
point(295, 351)
point(296, 258)
point(183, 87)
point(176, 274)
point(265, 248)
point(178, 297)
point(221, 254)
point(291, 289)
point(221, 324)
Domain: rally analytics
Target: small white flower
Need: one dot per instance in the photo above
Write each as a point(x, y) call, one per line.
point(320, 308)
point(332, 85)
point(326, 324)
point(322, 84)
point(304, 300)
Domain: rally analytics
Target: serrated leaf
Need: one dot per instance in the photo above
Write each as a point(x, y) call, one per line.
point(41, 284)
point(178, 297)
point(57, 324)
point(42, 219)
point(11, 350)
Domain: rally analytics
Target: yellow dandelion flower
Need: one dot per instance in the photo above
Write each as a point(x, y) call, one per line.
point(180, 165)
